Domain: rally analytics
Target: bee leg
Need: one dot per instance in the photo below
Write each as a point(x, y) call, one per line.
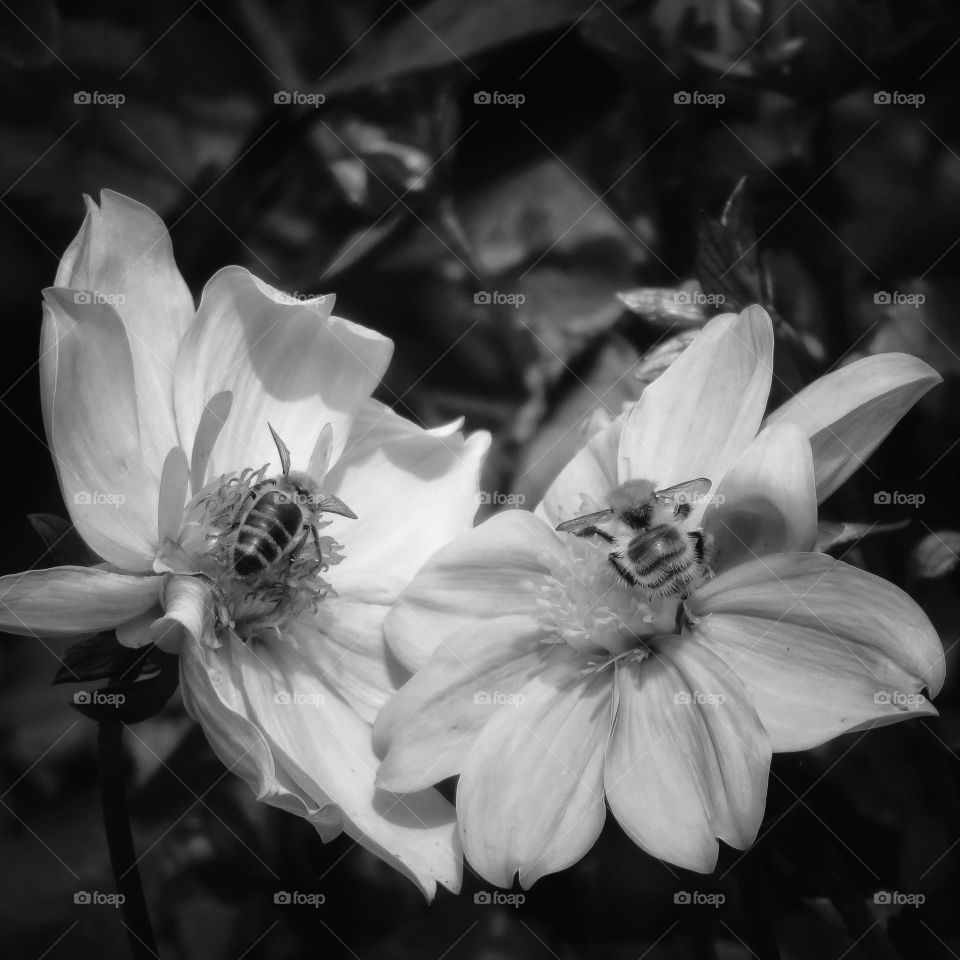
point(621, 569)
point(595, 532)
point(682, 510)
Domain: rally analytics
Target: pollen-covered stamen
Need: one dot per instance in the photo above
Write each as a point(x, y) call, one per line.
point(257, 600)
point(586, 607)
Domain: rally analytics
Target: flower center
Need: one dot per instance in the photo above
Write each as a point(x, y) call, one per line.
point(257, 540)
point(588, 607)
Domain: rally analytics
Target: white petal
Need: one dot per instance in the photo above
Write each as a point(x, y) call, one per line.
point(699, 416)
point(123, 255)
point(345, 641)
point(591, 474)
point(212, 695)
point(766, 502)
point(66, 601)
point(847, 413)
point(689, 758)
point(288, 364)
point(412, 491)
point(491, 571)
point(184, 601)
point(109, 476)
point(325, 747)
point(530, 798)
point(821, 647)
point(426, 730)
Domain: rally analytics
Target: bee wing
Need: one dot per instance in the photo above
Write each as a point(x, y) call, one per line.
point(332, 504)
point(685, 492)
point(580, 523)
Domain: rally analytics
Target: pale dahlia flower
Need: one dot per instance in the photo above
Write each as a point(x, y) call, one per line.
point(159, 417)
point(549, 684)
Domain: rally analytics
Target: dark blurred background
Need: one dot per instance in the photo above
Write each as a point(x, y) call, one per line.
point(480, 181)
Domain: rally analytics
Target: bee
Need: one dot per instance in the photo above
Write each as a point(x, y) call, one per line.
point(652, 550)
point(283, 514)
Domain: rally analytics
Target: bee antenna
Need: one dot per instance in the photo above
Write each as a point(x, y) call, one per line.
point(282, 450)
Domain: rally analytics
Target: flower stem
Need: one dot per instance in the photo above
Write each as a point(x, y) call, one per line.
point(123, 857)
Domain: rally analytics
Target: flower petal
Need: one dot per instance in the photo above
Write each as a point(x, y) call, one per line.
point(426, 730)
point(530, 797)
point(591, 474)
point(767, 501)
point(109, 475)
point(184, 601)
point(288, 363)
point(67, 601)
point(325, 748)
point(487, 573)
point(821, 647)
point(699, 416)
point(350, 650)
point(213, 697)
point(689, 759)
point(412, 491)
point(847, 413)
point(123, 256)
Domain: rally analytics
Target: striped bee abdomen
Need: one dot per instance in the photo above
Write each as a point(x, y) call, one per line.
point(267, 530)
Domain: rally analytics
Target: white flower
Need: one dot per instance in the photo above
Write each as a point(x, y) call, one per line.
point(157, 414)
point(550, 687)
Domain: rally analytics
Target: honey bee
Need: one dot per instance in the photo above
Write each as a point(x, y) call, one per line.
point(283, 513)
point(652, 549)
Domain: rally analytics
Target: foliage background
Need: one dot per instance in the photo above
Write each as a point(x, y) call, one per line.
point(411, 201)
